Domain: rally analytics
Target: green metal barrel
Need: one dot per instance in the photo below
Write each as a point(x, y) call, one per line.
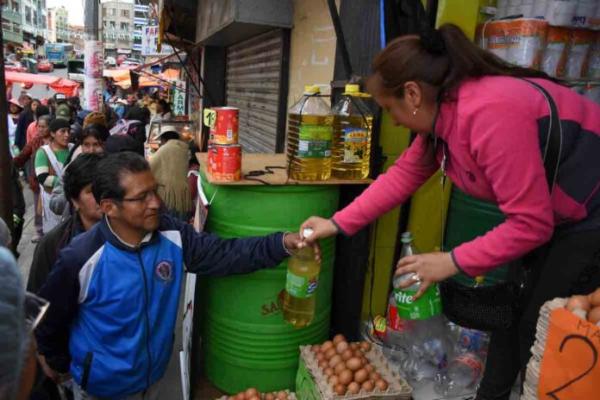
point(245, 340)
point(467, 219)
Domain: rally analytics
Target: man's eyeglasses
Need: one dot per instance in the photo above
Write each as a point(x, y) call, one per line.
point(145, 197)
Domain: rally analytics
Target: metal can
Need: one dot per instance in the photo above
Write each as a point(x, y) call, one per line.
point(225, 162)
point(224, 129)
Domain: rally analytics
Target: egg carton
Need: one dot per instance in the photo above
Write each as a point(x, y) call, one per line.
point(534, 366)
point(398, 387)
point(291, 396)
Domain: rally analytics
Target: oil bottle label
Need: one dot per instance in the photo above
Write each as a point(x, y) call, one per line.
point(301, 287)
point(427, 306)
point(355, 144)
point(315, 141)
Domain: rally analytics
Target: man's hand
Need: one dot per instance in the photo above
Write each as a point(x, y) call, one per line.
point(321, 229)
point(293, 242)
point(50, 373)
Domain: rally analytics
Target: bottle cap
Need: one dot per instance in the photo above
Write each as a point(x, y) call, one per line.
point(479, 279)
point(307, 232)
point(406, 237)
point(312, 89)
point(352, 90)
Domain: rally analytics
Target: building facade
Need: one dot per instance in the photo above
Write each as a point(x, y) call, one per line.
point(117, 26)
point(76, 33)
point(140, 21)
point(58, 25)
point(12, 23)
point(34, 21)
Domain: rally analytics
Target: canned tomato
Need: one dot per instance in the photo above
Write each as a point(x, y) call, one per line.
point(224, 129)
point(225, 162)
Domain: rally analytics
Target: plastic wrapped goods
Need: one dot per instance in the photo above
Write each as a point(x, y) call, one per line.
point(579, 49)
point(526, 39)
point(555, 53)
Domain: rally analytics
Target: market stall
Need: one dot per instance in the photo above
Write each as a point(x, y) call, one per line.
point(59, 85)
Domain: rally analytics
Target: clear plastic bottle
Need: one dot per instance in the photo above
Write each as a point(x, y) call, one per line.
point(309, 139)
point(352, 128)
point(301, 287)
point(464, 373)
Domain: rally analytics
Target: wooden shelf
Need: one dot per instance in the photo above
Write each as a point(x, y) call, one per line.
point(258, 162)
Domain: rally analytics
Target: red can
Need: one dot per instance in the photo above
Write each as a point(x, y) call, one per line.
point(225, 127)
point(225, 162)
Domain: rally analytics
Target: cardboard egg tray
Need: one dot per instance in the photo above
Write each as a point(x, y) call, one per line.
point(291, 396)
point(398, 388)
point(532, 376)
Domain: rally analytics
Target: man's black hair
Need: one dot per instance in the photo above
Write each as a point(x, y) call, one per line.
point(138, 113)
point(41, 110)
point(80, 173)
point(121, 143)
point(165, 105)
point(165, 137)
point(98, 131)
point(107, 180)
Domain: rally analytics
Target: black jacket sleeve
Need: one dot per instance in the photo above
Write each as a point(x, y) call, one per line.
point(207, 254)
point(62, 291)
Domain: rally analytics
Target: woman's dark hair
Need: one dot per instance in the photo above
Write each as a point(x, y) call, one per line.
point(98, 131)
point(165, 137)
point(107, 180)
point(80, 173)
point(123, 143)
point(442, 58)
point(165, 105)
point(41, 110)
point(138, 113)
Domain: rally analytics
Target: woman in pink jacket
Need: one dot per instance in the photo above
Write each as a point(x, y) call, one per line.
point(490, 125)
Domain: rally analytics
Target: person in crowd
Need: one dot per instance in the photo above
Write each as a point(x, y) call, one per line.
point(110, 115)
point(106, 354)
point(14, 111)
point(32, 129)
point(26, 159)
point(170, 166)
point(63, 111)
point(121, 108)
point(95, 117)
point(25, 99)
point(485, 123)
point(120, 143)
point(163, 111)
point(18, 203)
point(25, 118)
point(49, 165)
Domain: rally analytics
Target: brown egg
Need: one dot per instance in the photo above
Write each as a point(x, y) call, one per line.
point(346, 355)
point(240, 396)
point(251, 392)
point(345, 377)
point(595, 298)
point(361, 376)
point(370, 368)
point(594, 315)
point(578, 302)
point(253, 397)
point(338, 338)
point(323, 364)
point(320, 356)
point(282, 395)
point(358, 353)
point(354, 364)
point(270, 396)
point(327, 345)
point(328, 372)
point(365, 346)
point(365, 361)
point(330, 353)
point(316, 348)
point(339, 368)
point(381, 385)
point(354, 346)
point(340, 389)
point(335, 360)
point(374, 376)
point(353, 388)
point(341, 347)
point(368, 386)
point(333, 380)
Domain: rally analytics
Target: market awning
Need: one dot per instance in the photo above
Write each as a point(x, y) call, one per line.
point(56, 83)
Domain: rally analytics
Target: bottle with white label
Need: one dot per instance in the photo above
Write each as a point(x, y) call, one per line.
point(352, 127)
point(301, 286)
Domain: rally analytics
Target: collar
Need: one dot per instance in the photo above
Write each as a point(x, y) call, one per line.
point(115, 240)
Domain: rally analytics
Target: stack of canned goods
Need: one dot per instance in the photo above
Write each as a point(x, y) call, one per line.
point(224, 151)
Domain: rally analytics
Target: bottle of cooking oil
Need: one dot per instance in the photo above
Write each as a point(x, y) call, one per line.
point(309, 137)
point(301, 287)
point(352, 127)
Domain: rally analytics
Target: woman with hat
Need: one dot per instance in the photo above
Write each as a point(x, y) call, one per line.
point(170, 167)
point(14, 111)
point(50, 160)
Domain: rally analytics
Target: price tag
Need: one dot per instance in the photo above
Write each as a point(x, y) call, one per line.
point(570, 366)
point(210, 117)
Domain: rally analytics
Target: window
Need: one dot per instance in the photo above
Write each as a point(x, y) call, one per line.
point(125, 13)
point(124, 26)
point(27, 14)
point(113, 25)
point(112, 12)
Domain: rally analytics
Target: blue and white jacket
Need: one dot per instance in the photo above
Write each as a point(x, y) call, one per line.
point(113, 307)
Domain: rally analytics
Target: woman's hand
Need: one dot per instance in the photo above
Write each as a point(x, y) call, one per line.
point(321, 228)
point(428, 269)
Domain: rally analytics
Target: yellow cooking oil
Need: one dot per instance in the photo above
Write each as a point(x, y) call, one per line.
point(352, 128)
point(301, 288)
point(309, 139)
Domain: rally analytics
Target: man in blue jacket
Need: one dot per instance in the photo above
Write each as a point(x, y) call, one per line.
point(114, 290)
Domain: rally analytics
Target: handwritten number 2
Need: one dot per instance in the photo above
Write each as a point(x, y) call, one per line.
point(587, 341)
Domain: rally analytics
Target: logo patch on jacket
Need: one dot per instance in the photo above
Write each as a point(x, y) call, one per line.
point(164, 271)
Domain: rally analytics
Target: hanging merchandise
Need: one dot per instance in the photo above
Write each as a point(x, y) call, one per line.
point(352, 128)
point(581, 42)
point(301, 286)
point(555, 54)
point(525, 39)
point(309, 138)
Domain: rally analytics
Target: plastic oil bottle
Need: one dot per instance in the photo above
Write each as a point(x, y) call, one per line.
point(352, 127)
point(309, 138)
point(301, 287)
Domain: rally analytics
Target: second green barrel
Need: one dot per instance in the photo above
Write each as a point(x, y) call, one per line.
point(468, 218)
point(245, 341)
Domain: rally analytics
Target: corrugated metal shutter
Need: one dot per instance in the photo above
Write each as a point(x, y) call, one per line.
point(252, 84)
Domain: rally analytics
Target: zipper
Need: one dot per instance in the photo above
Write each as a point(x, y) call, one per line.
point(147, 320)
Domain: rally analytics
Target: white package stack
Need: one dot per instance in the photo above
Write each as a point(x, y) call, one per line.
point(561, 12)
point(585, 12)
point(514, 7)
point(539, 8)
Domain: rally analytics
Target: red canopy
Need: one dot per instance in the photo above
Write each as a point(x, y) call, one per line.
point(56, 83)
